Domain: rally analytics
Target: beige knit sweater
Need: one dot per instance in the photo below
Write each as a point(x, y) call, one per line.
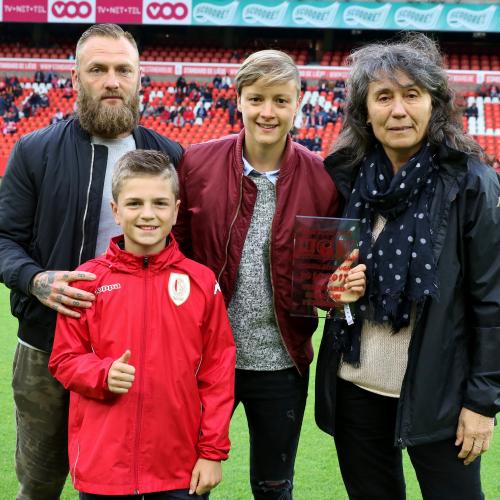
point(383, 355)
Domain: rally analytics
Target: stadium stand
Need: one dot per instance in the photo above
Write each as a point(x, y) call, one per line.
point(197, 111)
point(461, 57)
point(205, 108)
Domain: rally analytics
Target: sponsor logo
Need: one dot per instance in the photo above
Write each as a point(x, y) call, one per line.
point(474, 20)
point(409, 17)
point(492, 78)
point(267, 16)
point(107, 288)
point(179, 288)
point(119, 10)
point(24, 9)
point(315, 16)
point(71, 9)
point(221, 15)
point(168, 11)
point(217, 288)
point(366, 17)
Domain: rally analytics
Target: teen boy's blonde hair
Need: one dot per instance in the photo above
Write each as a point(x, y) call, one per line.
point(143, 163)
point(272, 67)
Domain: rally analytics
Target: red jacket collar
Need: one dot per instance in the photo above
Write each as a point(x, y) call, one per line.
point(125, 261)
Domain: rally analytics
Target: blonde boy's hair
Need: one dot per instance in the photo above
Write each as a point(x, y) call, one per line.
point(273, 67)
point(143, 163)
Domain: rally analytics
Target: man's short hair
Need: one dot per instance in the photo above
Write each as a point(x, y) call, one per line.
point(143, 163)
point(272, 66)
point(106, 30)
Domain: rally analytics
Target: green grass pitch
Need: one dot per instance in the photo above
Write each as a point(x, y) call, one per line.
point(317, 476)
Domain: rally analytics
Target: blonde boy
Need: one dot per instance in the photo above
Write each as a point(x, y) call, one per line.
point(150, 366)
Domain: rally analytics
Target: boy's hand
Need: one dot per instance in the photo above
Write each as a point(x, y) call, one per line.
point(207, 474)
point(347, 284)
point(121, 375)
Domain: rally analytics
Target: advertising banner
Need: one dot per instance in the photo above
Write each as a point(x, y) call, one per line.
point(24, 11)
point(71, 11)
point(463, 77)
point(318, 14)
point(124, 12)
point(492, 78)
point(324, 14)
point(203, 70)
point(166, 12)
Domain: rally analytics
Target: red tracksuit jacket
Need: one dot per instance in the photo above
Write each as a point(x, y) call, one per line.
point(169, 311)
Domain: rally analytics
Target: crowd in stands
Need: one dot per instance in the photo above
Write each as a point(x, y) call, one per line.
point(484, 90)
point(191, 103)
point(11, 90)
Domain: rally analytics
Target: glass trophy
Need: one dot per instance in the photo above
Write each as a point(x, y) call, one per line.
point(323, 249)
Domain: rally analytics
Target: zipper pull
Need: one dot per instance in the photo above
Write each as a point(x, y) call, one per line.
point(145, 261)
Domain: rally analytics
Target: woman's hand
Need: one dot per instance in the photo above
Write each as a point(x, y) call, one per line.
point(347, 284)
point(474, 433)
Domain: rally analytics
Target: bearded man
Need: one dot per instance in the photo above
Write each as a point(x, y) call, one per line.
point(54, 215)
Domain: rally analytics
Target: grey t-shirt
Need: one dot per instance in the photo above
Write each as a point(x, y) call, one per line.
point(107, 225)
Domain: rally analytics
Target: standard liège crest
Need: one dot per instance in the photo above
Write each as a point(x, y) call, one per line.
point(179, 288)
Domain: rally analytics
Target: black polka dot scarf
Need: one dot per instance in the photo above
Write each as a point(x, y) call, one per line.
point(400, 264)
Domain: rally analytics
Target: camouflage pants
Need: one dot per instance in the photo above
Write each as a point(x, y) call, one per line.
point(42, 423)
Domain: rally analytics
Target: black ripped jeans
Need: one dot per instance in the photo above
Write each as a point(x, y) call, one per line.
point(274, 403)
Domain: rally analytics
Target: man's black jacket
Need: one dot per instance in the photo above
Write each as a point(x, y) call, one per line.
point(454, 353)
point(50, 201)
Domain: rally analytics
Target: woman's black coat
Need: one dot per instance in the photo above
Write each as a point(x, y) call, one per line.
point(454, 354)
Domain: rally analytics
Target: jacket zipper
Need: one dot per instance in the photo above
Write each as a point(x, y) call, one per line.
point(231, 228)
point(76, 462)
point(145, 265)
point(272, 283)
point(399, 441)
point(87, 204)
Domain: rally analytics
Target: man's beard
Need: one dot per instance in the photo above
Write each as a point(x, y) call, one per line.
point(106, 121)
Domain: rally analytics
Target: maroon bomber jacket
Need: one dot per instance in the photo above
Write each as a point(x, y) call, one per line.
point(216, 208)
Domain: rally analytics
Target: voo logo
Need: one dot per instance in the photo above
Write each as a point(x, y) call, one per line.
point(71, 9)
point(167, 11)
point(107, 288)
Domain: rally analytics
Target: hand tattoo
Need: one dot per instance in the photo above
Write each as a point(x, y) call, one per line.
point(42, 284)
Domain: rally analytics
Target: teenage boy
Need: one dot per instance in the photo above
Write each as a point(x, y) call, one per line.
point(150, 365)
point(239, 198)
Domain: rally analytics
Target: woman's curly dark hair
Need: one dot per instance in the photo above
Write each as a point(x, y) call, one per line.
point(417, 56)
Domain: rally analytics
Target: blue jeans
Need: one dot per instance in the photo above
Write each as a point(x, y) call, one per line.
point(371, 465)
point(274, 403)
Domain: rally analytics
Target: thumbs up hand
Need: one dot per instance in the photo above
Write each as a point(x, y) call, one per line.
point(121, 375)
